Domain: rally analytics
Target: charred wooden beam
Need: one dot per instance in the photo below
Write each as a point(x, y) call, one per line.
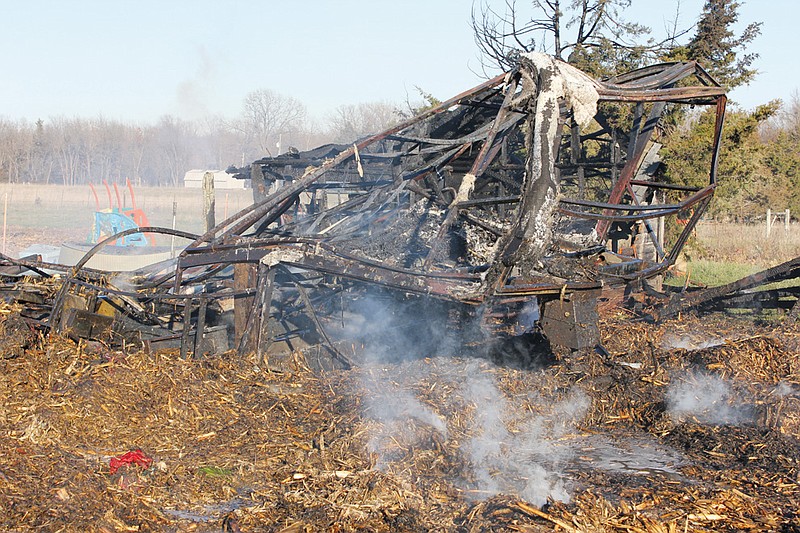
point(244, 276)
point(682, 302)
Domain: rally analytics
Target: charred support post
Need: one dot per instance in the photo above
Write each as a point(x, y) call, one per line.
point(251, 337)
point(187, 328)
point(258, 183)
point(244, 277)
point(264, 339)
point(532, 230)
point(200, 330)
point(575, 156)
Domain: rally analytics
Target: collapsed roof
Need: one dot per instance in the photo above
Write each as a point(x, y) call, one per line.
point(490, 190)
point(512, 203)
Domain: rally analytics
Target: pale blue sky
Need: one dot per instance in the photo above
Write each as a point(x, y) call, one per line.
point(138, 60)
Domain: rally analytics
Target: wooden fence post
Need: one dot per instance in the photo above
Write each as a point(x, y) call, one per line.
point(208, 200)
point(769, 221)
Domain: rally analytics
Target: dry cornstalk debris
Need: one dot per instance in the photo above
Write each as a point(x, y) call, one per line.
point(407, 445)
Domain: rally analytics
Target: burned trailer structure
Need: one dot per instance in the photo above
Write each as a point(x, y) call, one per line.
point(505, 209)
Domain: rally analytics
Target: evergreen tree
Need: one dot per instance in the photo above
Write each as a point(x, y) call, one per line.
point(746, 183)
point(717, 48)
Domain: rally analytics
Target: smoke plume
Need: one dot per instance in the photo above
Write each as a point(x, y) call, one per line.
point(504, 447)
point(518, 455)
point(708, 399)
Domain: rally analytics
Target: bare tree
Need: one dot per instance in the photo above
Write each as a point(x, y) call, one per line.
point(267, 115)
point(173, 144)
point(136, 138)
point(40, 156)
point(350, 122)
point(791, 115)
point(76, 150)
point(110, 145)
point(571, 28)
point(12, 150)
point(66, 146)
point(220, 144)
point(785, 122)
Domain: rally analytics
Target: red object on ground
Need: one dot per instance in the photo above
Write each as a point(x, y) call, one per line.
point(136, 457)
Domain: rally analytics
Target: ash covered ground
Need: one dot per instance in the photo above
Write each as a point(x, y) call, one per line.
point(664, 432)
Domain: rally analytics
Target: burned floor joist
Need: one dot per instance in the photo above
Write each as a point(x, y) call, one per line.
point(507, 207)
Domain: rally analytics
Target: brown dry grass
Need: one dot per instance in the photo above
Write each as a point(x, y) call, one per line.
point(745, 243)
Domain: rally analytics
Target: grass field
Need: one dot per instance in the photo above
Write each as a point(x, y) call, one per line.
point(51, 214)
point(745, 243)
point(723, 252)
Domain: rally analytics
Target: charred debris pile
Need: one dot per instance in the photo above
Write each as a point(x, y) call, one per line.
point(661, 437)
point(504, 211)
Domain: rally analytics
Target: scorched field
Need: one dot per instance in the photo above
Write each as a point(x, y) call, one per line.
point(690, 425)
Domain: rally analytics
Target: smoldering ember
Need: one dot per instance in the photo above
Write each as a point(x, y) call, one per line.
point(456, 324)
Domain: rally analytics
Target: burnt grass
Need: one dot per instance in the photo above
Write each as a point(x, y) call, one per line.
point(439, 443)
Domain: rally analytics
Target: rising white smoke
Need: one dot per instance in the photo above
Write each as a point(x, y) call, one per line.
point(387, 335)
point(394, 408)
point(528, 461)
point(708, 399)
point(505, 448)
point(783, 390)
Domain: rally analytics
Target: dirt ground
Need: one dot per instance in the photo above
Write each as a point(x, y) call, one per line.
point(690, 425)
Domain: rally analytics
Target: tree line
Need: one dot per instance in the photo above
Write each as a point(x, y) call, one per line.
point(74, 150)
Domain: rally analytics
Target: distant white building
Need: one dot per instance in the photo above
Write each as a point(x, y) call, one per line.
point(222, 180)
